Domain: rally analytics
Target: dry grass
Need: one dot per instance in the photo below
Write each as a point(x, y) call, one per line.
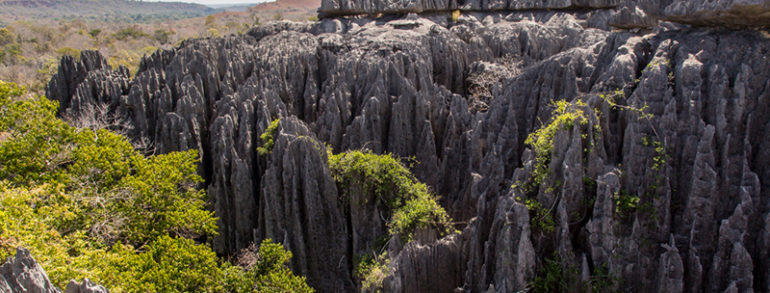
point(33, 48)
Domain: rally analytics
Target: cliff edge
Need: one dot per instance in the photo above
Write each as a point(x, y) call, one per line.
point(644, 170)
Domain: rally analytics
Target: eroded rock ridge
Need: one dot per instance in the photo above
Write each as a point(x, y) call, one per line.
point(661, 187)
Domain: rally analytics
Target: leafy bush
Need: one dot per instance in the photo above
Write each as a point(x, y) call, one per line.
point(162, 36)
point(455, 15)
point(372, 271)
point(540, 218)
point(413, 206)
point(271, 273)
point(94, 32)
point(6, 36)
point(557, 275)
point(420, 212)
point(165, 265)
point(268, 138)
point(129, 32)
point(11, 54)
point(68, 51)
point(88, 205)
point(565, 115)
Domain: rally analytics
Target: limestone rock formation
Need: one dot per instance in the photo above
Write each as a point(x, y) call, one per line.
point(23, 274)
point(351, 7)
point(661, 186)
point(743, 13)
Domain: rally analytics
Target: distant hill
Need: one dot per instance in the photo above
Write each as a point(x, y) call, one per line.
point(289, 9)
point(99, 10)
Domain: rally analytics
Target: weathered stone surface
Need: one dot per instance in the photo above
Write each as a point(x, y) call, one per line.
point(460, 98)
point(349, 7)
point(86, 287)
point(416, 267)
point(736, 13)
point(23, 274)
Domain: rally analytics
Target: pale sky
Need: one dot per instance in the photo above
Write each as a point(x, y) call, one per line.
point(217, 1)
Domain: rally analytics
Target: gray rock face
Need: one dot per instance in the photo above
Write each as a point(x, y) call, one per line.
point(736, 13)
point(675, 201)
point(23, 274)
point(85, 287)
point(350, 7)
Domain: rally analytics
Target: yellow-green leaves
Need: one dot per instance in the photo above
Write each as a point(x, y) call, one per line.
point(413, 206)
point(268, 138)
point(565, 115)
point(88, 205)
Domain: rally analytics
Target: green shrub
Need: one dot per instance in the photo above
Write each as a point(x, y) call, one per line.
point(162, 36)
point(68, 51)
point(129, 32)
point(394, 186)
point(372, 271)
point(540, 218)
point(6, 36)
point(94, 33)
point(165, 265)
point(88, 205)
point(11, 54)
point(268, 138)
point(420, 212)
point(556, 275)
point(565, 115)
point(625, 204)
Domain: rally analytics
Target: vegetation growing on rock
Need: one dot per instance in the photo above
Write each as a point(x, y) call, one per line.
point(88, 205)
point(413, 206)
point(268, 138)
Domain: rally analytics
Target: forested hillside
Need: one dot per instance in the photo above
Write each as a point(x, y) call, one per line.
point(99, 10)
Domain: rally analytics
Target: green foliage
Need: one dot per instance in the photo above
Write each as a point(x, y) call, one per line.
point(556, 275)
point(68, 51)
point(162, 36)
point(165, 189)
point(133, 32)
point(455, 15)
point(602, 280)
point(565, 115)
point(11, 54)
point(394, 186)
point(6, 36)
point(88, 205)
point(539, 217)
point(269, 273)
point(36, 142)
point(659, 160)
point(372, 271)
point(420, 212)
point(94, 32)
point(268, 138)
point(625, 204)
point(210, 20)
point(167, 264)
point(612, 100)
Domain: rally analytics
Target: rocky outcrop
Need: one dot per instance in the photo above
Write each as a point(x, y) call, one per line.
point(661, 185)
point(23, 274)
point(85, 287)
point(350, 7)
point(751, 13)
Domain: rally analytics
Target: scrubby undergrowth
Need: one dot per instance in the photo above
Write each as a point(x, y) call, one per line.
point(88, 205)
